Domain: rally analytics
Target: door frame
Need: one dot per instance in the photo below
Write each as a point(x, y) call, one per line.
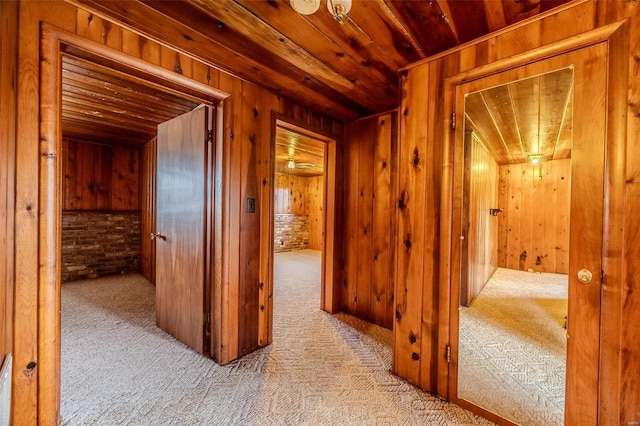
point(616, 36)
point(330, 291)
point(54, 43)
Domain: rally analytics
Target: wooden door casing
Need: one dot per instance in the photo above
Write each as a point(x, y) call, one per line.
point(588, 165)
point(181, 227)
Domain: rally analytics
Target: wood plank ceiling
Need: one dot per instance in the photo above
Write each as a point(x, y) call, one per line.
point(533, 116)
point(346, 71)
point(306, 153)
point(102, 105)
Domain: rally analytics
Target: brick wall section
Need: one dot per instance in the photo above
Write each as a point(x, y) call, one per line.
point(291, 232)
point(95, 244)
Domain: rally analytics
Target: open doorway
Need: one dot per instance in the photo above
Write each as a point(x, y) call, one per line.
point(541, 189)
point(515, 254)
point(298, 219)
point(108, 123)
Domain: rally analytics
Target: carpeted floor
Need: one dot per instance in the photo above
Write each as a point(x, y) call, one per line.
point(119, 369)
point(513, 347)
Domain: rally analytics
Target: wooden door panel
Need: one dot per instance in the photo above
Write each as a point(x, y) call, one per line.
point(180, 219)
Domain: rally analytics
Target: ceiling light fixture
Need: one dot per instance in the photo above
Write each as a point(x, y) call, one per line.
point(535, 158)
point(338, 8)
point(291, 164)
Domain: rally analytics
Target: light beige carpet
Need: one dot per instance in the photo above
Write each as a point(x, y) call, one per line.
point(119, 369)
point(513, 347)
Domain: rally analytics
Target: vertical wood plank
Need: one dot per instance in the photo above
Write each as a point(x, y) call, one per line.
point(365, 213)
point(381, 232)
point(503, 200)
point(351, 170)
point(413, 159)
point(248, 145)
point(526, 218)
point(513, 214)
point(131, 44)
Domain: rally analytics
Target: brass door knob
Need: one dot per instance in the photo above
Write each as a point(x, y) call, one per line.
point(585, 276)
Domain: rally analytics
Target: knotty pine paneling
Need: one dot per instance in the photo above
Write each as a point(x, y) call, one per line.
point(315, 208)
point(421, 125)
point(243, 302)
point(301, 195)
point(482, 234)
point(534, 223)
point(100, 177)
point(290, 194)
point(369, 214)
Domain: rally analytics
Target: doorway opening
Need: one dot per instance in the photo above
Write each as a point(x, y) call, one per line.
point(102, 109)
point(298, 219)
point(585, 183)
point(515, 251)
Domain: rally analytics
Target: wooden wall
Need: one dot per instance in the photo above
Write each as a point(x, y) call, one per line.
point(481, 248)
point(315, 208)
point(534, 223)
point(302, 195)
point(420, 336)
point(8, 111)
point(369, 164)
point(100, 177)
point(290, 194)
point(245, 163)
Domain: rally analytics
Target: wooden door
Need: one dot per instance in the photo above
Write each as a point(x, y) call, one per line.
point(181, 227)
point(586, 225)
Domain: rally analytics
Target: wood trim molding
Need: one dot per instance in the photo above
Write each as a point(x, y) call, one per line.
point(616, 35)
point(154, 75)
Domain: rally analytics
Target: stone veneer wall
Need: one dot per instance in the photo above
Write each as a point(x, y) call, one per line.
point(99, 243)
point(291, 232)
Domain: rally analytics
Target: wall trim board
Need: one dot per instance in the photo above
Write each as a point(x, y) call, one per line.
point(615, 35)
point(54, 43)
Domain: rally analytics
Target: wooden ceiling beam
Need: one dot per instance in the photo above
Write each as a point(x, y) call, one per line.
point(494, 12)
point(426, 21)
point(447, 16)
point(340, 46)
point(182, 36)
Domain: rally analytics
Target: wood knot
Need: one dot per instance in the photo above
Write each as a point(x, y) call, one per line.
point(412, 338)
point(416, 157)
point(255, 112)
point(384, 164)
point(398, 314)
point(407, 244)
point(415, 356)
